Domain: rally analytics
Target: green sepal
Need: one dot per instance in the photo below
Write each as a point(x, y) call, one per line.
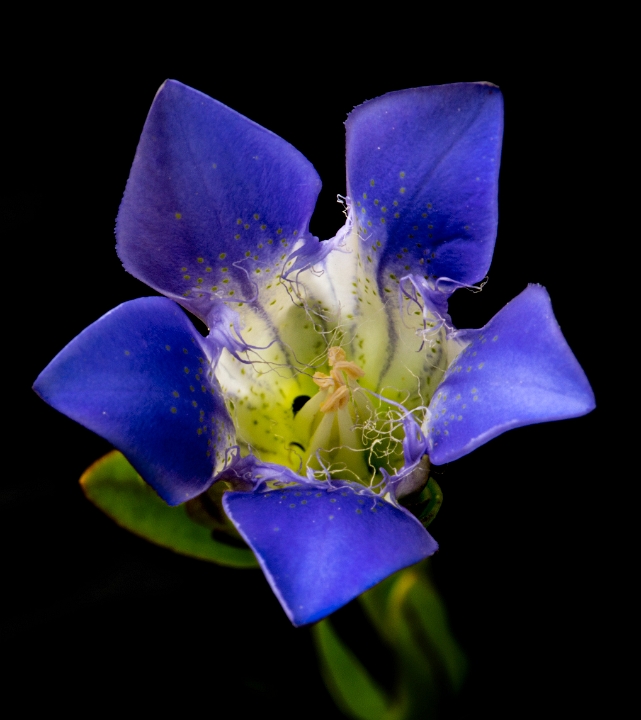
point(431, 498)
point(115, 487)
point(424, 504)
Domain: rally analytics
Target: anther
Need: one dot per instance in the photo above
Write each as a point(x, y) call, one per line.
point(349, 368)
point(342, 375)
point(337, 400)
point(335, 354)
point(323, 381)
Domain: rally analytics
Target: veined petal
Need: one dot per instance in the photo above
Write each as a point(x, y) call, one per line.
point(422, 175)
point(214, 203)
point(515, 371)
point(321, 548)
point(140, 377)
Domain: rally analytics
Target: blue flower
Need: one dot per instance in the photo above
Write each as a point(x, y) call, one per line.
point(331, 376)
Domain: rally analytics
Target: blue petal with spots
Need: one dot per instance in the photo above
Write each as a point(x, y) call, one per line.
point(214, 202)
point(215, 215)
point(139, 377)
point(320, 548)
point(422, 174)
point(516, 371)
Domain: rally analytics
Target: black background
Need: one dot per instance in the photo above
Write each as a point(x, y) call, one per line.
point(92, 610)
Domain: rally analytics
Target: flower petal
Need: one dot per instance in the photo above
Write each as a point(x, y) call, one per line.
point(515, 371)
point(422, 174)
point(140, 377)
point(214, 202)
point(319, 548)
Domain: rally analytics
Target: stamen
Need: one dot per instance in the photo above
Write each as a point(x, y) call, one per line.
point(343, 371)
point(349, 368)
point(324, 381)
point(337, 400)
point(335, 354)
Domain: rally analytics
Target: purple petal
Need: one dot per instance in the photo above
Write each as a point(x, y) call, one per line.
point(140, 378)
point(214, 202)
point(422, 174)
point(413, 475)
point(248, 474)
point(517, 370)
point(319, 549)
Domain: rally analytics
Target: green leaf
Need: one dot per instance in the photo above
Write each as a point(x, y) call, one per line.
point(116, 488)
point(349, 683)
point(422, 610)
point(410, 616)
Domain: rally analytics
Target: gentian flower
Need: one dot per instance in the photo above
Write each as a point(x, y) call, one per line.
point(331, 376)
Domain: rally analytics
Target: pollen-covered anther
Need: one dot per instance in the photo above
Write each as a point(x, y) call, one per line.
point(335, 354)
point(352, 370)
point(336, 359)
point(324, 381)
point(337, 400)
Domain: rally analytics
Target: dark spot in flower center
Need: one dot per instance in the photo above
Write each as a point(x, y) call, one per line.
point(299, 402)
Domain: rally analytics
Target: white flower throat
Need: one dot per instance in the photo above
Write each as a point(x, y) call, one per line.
point(336, 365)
